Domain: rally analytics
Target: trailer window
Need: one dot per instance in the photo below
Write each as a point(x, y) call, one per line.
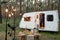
point(49, 17)
point(27, 18)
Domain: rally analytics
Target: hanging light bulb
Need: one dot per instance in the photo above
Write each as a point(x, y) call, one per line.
point(6, 10)
point(12, 13)
point(9, 15)
point(12, 7)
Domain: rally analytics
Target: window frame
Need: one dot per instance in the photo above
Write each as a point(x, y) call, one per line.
point(27, 20)
point(51, 18)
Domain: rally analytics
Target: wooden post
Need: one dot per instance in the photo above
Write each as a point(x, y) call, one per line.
point(36, 37)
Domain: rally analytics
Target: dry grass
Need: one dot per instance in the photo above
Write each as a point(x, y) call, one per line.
point(43, 36)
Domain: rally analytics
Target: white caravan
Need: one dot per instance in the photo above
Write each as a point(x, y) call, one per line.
point(43, 20)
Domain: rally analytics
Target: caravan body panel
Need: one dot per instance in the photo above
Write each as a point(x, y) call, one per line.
point(33, 20)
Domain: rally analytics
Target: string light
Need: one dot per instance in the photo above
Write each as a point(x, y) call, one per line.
point(6, 10)
point(12, 13)
point(14, 9)
point(9, 15)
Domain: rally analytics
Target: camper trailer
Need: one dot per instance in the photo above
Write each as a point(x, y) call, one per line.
point(43, 20)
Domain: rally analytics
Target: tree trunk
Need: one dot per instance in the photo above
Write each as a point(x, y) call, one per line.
point(0, 13)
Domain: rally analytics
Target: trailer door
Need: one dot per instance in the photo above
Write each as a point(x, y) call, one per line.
point(42, 20)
